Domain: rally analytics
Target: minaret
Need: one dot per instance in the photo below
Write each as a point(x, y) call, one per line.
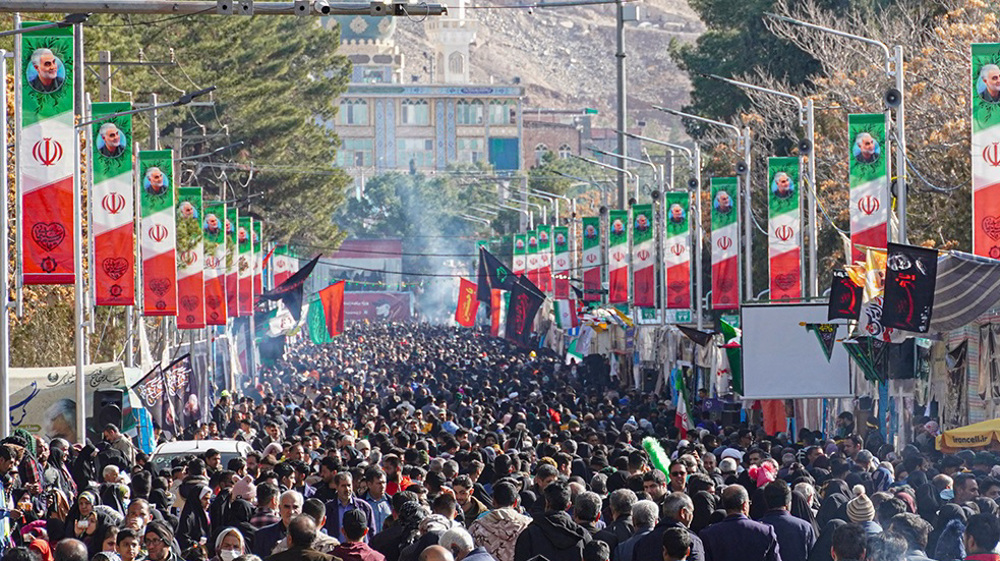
point(451, 36)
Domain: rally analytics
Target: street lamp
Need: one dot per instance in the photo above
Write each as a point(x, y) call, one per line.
point(742, 141)
point(657, 174)
point(694, 160)
point(894, 98)
point(591, 182)
point(613, 168)
point(527, 213)
point(807, 120)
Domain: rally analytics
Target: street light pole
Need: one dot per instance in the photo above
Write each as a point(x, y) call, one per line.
point(622, 100)
point(611, 167)
point(742, 142)
point(657, 174)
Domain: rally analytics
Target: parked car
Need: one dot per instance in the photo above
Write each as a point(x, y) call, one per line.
point(228, 449)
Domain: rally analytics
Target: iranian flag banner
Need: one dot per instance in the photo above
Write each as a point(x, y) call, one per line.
point(534, 262)
point(284, 265)
point(232, 263)
point(725, 244)
point(112, 206)
point(593, 259)
point(618, 256)
point(565, 314)
point(643, 256)
point(677, 250)
point(214, 232)
point(258, 259)
point(46, 143)
point(520, 256)
point(561, 259)
point(986, 149)
point(190, 259)
point(159, 238)
point(784, 236)
point(545, 257)
point(244, 236)
point(869, 181)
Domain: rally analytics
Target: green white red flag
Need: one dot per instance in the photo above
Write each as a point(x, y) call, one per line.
point(618, 256)
point(112, 206)
point(565, 313)
point(285, 264)
point(986, 149)
point(725, 244)
point(593, 259)
point(190, 259)
point(545, 258)
point(869, 181)
point(244, 235)
point(519, 263)
point(258, 259)
point(533, 268)
point(47, 142)
point(677, 250)
point(158, 232)
point(643, 256)
point(214, 232)
point(561, 259)
point(784, 231)
point(232, 263)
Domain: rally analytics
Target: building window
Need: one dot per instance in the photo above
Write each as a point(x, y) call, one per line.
point(353, 112)
point(456, 63)
point(415, 112)
point(500, 113)
point(420, 151)
point(471, 150)
point(355, 152)
point(540, 151)
point(565, 151)
point(469, 112)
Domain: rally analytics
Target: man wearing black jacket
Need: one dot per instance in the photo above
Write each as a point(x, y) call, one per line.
point(553, 534)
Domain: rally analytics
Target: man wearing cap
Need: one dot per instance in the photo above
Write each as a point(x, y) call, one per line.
point(158, 539)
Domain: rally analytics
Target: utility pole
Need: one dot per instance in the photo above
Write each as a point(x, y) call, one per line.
point(79, 326)
point(622, 102)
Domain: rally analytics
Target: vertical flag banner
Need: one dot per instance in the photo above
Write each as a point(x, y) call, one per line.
point(643, 257)
point(986, 149)
point(592, 259)
point(532, 268)
point(561, 259)
point(46, 141)
point(725, 244)
point(468, 304)
point(869, 180)
point(677, 250)
point(519, 262)
point(784, 236)
point(332, 299)
point(497, 312)
point(232, 263)
point(284, 265)
point(244, 229)
point(214, 232)
point(258, 258)
point(545, 257)
point(190, 259)
point(112, 204)
point(158, 239)
point(617, 256)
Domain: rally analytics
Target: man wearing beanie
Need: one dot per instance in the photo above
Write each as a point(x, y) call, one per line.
point(861, 511)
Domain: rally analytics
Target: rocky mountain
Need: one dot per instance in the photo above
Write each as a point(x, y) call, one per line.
point(565, 57)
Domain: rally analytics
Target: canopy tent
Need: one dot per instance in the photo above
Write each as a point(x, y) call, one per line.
point(979, 435)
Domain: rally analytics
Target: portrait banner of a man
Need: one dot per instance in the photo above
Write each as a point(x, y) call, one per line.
point(112, 205)
point(869, 182)
point(784, 239)
point(986, 149)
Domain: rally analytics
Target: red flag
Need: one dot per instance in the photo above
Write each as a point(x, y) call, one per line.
point(465, 313)
point(496, 302)
point(332, 298)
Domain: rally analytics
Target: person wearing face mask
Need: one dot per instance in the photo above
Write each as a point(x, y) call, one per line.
point(229, 545)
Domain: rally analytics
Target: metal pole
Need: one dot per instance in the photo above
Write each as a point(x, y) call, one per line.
point(747, 220)
point(18, 269)
point(699, 237)
point(622, 102)
point(813, 202)
point(901, 194)
point(203, 7)
point(78, 324)
point(5, 258)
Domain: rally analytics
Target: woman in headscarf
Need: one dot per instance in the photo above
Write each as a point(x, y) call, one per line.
point(800, 509)
point(928, 501)
point(821, 551)
point(56, 515)
point(84, 470)
point(78, 514)
point(834, 505)
point(704, 506)
point(92, 534)
point(56, 474)
point(238, 516)
point(42, 548)
point(945, 541)
point(230, 544)
point(194, 525)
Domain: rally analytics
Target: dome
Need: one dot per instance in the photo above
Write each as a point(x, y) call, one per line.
point(364, 29)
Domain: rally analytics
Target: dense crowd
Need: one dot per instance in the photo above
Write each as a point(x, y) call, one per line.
point(423, 443)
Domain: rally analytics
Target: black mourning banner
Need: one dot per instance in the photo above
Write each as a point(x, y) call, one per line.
point(845, 297)
point(493, 274)
point(524, 304)
point(910, 279)
point(290, 291)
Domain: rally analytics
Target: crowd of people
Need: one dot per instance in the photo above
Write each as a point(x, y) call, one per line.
point(423, 443)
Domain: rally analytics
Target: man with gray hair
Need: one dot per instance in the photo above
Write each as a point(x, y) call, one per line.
point(677, 511)
point(620, 501)
point(990, 76)
point(460, 543)
point(587, 511)
point(266, 538)
point(867, 148)
point(47, 66)
point(112, 137)
point(645, 515)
